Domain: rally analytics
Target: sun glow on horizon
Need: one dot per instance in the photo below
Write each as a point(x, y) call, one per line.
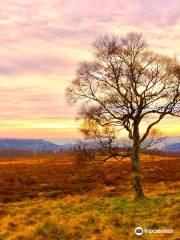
point(65, 128)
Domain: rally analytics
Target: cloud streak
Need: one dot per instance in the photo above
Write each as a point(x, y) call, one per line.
point(42, 42)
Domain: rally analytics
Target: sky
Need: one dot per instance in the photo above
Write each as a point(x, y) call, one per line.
point(42, 42)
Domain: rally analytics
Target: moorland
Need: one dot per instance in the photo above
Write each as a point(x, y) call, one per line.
point(63, 196)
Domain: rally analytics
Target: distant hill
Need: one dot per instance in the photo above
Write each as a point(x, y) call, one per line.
point(28, 144)
point(40, 144)
point(172, 147)
point(171, 140)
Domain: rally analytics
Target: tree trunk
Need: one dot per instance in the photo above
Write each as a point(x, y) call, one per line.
point(136, 173)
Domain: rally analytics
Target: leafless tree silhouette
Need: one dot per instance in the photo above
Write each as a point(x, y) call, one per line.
point(123, 86)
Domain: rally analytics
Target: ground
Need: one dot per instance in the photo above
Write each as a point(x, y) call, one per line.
point(64, 198)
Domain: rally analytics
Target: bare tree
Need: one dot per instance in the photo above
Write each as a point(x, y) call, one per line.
point(123, 86)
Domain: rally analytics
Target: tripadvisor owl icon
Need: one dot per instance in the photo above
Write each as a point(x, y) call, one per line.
point(139, 231)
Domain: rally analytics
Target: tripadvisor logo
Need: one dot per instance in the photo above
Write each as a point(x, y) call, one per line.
point(139, 231)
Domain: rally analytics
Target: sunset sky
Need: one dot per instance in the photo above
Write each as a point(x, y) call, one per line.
point(42, 42)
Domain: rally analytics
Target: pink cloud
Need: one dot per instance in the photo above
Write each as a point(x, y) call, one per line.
point(20, 103)
point(42, 42)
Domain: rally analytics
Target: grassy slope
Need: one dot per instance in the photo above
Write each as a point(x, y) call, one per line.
point(75, 201)
point(88, 217)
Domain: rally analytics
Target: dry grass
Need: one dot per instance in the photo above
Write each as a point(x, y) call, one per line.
point(28, 178)
point(61, 200)
point(88, 217)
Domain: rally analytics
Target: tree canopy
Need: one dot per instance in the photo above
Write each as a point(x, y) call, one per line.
point(125, 85)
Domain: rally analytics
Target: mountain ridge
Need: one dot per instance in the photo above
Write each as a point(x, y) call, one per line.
point(175, 147)
point(41, 144)
point(27, 144)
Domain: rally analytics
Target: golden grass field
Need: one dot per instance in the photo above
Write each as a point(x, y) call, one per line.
point(62, 198)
